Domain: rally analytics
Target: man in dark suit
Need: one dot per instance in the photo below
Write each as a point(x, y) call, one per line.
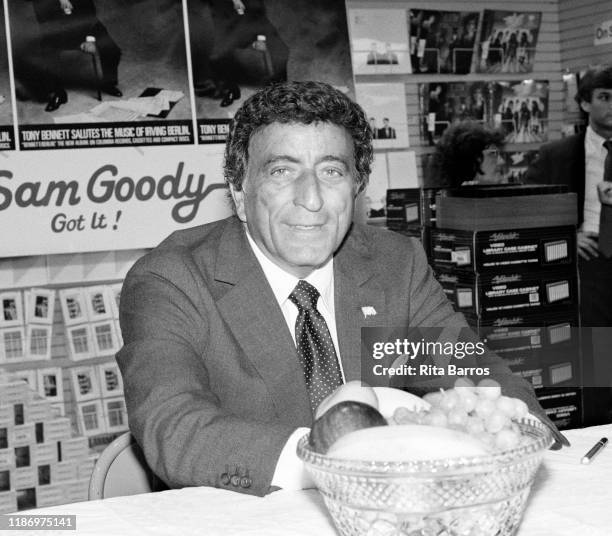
point(386, 132)
point(219, 380)
point(579, 161)
point(73, 25)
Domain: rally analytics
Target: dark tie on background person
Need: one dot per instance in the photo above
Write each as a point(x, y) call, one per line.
point(605, 220)
point(314, 345)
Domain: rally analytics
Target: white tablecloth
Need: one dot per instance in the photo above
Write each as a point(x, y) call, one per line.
point(568, 499)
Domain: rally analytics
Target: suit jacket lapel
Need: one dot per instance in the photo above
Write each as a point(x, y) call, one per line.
point(251, 311)
point(356, 287)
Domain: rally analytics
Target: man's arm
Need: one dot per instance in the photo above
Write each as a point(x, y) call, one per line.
point(188, 438)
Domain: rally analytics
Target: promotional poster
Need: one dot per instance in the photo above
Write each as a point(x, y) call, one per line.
point(109, 74)
point(442, 41)
point(518, 108)
point(239, 47)
point(379, 41)
point(508, 41)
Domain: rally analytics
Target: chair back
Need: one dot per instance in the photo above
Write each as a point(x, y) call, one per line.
point(122, 470)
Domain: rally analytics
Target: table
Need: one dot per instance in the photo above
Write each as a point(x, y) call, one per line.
point(568, 499)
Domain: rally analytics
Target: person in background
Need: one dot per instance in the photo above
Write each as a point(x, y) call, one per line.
point(221, 371)
point(583, 163)
point(467, 153)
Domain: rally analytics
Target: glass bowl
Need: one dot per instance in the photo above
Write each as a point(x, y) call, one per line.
point(468, 496)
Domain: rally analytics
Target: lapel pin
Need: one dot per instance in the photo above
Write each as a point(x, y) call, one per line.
point(368, 310)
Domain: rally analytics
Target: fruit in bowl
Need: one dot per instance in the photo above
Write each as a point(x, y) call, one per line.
point(420, 479)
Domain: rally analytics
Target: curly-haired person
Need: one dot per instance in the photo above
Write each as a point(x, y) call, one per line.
point(467, 153)
point(236, 330)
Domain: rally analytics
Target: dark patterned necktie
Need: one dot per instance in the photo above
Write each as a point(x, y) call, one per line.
point(605, 219)
point(314, 345)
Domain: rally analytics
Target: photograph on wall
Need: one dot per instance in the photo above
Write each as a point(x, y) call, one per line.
point(445, 103)
point(442, 41)
point(100, 74)
point(11, 302)
point(508, 41)
point(7, 131)
point(379, 41)
point(519, 108)
point(385, 106)
point(239, 46)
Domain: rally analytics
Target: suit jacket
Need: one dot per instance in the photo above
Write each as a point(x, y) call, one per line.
point(213, 384)
point(561, 162)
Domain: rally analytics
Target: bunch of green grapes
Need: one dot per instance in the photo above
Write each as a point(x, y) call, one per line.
point(480, 410)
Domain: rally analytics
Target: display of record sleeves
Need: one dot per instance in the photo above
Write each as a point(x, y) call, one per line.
point(518, 108)
point(379, 41)
point(508, 41)
point(85, 384)
point(12, 345)
point(385, 106)
point(74, 308)
point(11, 309)
point(442, 41)
point(98, 300)
point(50, 384)
point(111, 382)
point(80, 342)
point(38, 337)
point(39, 304)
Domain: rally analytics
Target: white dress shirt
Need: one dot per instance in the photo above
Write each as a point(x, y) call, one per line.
point(289, 472)
point(595, 156)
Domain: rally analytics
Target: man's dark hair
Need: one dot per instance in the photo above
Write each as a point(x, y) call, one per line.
point(459, 152)
point(599, 76)
point(297, 102)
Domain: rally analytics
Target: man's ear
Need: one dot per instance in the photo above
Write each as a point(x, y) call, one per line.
point(238, 198)
point(586, 106)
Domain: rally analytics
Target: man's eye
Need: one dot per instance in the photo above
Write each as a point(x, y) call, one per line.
point(279, 172)
point(332, 172)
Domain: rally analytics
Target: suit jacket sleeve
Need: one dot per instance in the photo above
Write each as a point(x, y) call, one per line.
point(188, 438)
point(540, 171)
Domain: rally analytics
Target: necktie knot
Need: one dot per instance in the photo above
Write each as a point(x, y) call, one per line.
point(304, 296)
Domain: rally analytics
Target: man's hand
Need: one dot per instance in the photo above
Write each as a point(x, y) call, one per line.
point(604, 191)
point(66, 5)
point(587, 245)
point(89, 47)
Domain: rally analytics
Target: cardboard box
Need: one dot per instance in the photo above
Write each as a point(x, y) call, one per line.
point(511, 249)
point(495, 213)
point(490, 296)
point(563, 406)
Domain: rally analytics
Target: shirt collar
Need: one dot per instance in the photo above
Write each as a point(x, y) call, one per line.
point(594, 140)
point(283, 283)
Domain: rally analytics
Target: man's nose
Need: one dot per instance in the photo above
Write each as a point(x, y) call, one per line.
point(308, 191)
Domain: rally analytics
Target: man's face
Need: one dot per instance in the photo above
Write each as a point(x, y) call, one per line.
point(600, 111)
point(298, 193)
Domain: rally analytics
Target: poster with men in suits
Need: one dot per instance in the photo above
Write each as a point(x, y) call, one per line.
point(100, 74)
point(239, 46)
